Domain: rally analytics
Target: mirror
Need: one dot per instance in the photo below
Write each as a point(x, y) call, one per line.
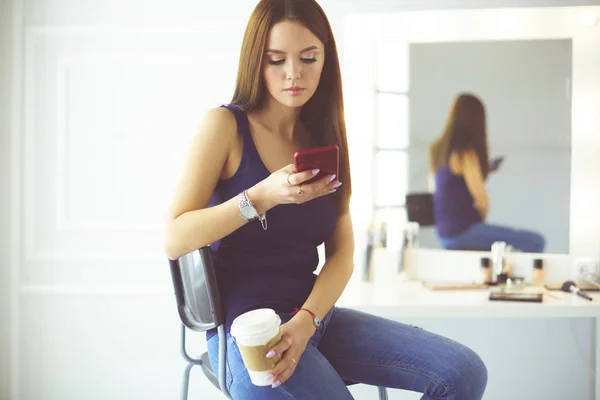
point(420, 62)
point(525, 86)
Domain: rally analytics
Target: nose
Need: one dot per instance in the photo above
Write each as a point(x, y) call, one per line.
point(294, 73)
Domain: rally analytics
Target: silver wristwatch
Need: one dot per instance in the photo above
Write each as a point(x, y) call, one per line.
point(248, 211)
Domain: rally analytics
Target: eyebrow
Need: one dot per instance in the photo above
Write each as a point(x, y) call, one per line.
point(283, 52)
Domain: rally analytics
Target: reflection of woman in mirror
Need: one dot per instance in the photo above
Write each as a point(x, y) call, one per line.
point(459, 159)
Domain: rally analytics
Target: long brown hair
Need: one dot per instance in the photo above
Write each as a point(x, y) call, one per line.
point(323, 114)
point(465, 129)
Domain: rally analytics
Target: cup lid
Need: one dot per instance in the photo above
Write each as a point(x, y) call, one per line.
point(254, 322)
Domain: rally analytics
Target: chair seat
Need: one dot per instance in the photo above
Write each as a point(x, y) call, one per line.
point(208, 371)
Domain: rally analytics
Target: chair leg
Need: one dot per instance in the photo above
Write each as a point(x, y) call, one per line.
point(183, 350)
point(186, 381)
point(382, 393)
point(223, 360)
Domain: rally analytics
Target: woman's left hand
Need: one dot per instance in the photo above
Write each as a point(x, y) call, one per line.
point(295, 335)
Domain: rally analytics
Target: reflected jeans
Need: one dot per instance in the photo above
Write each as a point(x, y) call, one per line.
point(481, 236)
point(358, 347)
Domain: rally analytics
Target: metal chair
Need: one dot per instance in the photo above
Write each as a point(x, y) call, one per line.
point(200, 309)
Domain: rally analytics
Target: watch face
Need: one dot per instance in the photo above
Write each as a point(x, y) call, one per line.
point(248, 212)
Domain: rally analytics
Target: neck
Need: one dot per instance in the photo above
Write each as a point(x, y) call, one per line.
point(279, 119)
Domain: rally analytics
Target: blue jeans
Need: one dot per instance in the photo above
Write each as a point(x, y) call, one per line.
point(481, 236)
point(363, 348)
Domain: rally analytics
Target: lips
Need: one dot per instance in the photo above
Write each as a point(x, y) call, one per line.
point(294, 90)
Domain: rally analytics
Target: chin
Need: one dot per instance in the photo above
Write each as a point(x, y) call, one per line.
point(293, 102)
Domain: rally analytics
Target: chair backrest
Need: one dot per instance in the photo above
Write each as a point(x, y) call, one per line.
point(419, 208)
point(196, 290)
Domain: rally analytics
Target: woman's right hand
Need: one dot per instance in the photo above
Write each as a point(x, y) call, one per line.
point(287, 186)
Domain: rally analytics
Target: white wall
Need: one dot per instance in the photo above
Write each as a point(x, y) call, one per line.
point(96, 316)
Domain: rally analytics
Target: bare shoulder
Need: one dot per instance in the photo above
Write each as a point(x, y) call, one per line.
point(208, 154)
point(464, 157)
point(219, 122)
point(469, 158)
point(463, 161)
point(469, 161)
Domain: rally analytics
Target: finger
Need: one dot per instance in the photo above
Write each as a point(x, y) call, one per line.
point(279, 370)
point(299, 177)
point(322, 186)
point(282, 377)
point(316, 186)
point(289, 169)
point(329, 180)
point(330, 188)
point(280, 347)
point(286, 361)
point(284, 369)
point(326, 182)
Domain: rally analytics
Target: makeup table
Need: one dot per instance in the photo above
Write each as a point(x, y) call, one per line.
point(398, 298)
point(412, 299)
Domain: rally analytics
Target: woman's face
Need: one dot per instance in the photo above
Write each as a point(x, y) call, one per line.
point(294, 59)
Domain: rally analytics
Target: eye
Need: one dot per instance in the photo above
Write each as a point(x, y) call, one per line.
point(308, 60)
point(276, 62)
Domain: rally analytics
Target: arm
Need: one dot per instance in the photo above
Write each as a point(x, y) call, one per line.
point(431, 182)
point(474, 178)
point(335, 274)
point(190, 224)
point(339, 265)
point(189, 216)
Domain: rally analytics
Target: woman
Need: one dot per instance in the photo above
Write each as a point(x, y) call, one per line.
point(459, 160)
point(288, 97)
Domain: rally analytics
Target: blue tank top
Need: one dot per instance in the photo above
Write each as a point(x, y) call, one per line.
point(273, 268)
point(453, 206)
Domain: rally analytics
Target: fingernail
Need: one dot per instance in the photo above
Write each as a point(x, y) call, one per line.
point(269, 377)
point(332, 177)
point(332, 191)
point(315, 171)
point(337, 184)
point(276, 384)
point(271, 354)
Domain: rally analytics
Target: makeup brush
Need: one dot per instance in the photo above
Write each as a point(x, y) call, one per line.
point(570, 286)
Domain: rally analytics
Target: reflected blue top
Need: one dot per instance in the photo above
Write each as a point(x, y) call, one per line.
point(453, 206)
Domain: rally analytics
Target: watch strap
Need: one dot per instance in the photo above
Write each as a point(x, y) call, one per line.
point(244, 201)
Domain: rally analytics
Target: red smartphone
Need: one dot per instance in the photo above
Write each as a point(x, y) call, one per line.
point(326, 159)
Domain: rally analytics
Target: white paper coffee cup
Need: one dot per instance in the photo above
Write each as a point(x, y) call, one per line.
point(255, 332)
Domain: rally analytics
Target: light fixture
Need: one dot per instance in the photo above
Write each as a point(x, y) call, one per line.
point(589, 18)
point(513, 22)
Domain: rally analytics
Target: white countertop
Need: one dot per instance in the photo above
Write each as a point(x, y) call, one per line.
point(396, 298)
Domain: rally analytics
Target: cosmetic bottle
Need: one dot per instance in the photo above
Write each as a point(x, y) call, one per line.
point(486, 269)
point(538, 272)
